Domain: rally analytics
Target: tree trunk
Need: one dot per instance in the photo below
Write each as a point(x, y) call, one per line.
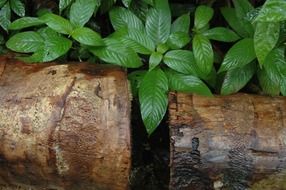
point(64, 126)
point(227, 142)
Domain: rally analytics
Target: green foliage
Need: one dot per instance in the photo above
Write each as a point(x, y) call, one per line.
point(193, 53)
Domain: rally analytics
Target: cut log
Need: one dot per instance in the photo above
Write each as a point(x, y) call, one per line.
point(227, 142)
point(64, 126)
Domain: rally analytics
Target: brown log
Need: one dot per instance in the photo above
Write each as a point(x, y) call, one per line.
point(64, 126)
point(227, 142)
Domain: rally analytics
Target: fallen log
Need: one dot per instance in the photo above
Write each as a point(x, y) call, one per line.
point(64, 126)
point(227, 142)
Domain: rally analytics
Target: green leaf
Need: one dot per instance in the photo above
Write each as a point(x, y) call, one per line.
point(126, 3)
point(182, 61)
point(47, 33)
point(2, 40)
point(138, 41)
point(272, 11)
point(203, 15)
point(64, 4)
point(154, 60)
point(106, 5)
point(231, 18)
point(135, 79)
point(238, 55)
point(122, 18)
point(18, 7)
point(236, 79)
point(153, 98)
point(81, 11)
point(158, 22)
point(268, 86)
point(203, 53)
point(25, 22)
point(25, 42)
point(116, 53)
point(87, 36)
point(5, 16)
point(149, 2)
point(178, 40)
point(187, 83)
point(2, 2)
point(221, 34)
point(162, 48)
point(181, 24)
point(265, 38)
point(57, 23)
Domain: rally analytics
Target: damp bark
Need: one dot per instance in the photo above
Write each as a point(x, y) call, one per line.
point(231, 142)
point(64, 126)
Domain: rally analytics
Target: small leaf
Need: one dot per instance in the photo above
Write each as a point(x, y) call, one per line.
point(203, 53)
point(272, 11)
point(18, 7)
point(182, 61)
point(25, 42)
point(87, 36)
point(181, 24)
point(236, 79)
point(57, 23)
point(158, 22)
point(25, 22)
point(5, 16)
point(268, 86)
point(116, 53)
point(203, 15)
point(155, 60)
point(64, 4)
point(153, 98)
point(81, 11)
point(178, 40)
point(265, 38)
point(238, 55)
point(126, 3)
point(231, 18)
point(187, 83)
point(221, 34)
point(122, 18)
point(139, 41)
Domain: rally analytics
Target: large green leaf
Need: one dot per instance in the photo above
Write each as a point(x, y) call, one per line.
point(268, 86)
point(18, 7)
point(231, 18)
point(122, 18)
point(5, 16)
point(81, 11)
point(181, 24)
point(87, 36)
point(154, 60)
point(178, 40)
point(116, 53)
point(265, 38)
point(57, 23)
point(138, 41)
point(25, 42)
point(221, 34)
point(273, 11)
point(64, 4)
point(25, 22)
point(203, 15)
point(182, 61)
point(236, 79)
point(203, 53)
point(153, 98)
point(158, 22)
point(238, 55)
point(187, 83)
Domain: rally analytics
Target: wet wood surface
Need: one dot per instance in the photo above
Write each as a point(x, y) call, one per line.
point(227, 142)
point(64, 126)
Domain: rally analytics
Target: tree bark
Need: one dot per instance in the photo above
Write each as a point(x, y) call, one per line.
point(64, 126)
point(227, 142)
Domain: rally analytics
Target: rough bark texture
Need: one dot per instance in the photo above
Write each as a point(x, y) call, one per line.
point(64, 126)
point(231, 142)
